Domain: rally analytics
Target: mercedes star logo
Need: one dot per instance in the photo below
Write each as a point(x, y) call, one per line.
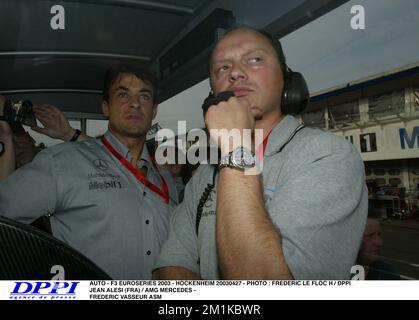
point(101, 164)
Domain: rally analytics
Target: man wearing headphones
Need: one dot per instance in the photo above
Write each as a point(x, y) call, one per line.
point(302, 217)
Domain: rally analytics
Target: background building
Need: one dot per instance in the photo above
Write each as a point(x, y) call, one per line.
point(380, 116)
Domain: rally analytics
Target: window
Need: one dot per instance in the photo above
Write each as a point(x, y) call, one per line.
point(314, 119)
point(380, 181)
point(394, 182)
point(387, 104)
point(344, 115)
point(394, 172)
point(379, 171)
point(95, 127)
point(42, 138)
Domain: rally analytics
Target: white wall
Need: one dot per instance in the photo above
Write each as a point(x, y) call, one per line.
point(185, 106)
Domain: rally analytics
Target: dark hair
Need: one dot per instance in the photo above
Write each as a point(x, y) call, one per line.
point(141, 71)
point(275, 44)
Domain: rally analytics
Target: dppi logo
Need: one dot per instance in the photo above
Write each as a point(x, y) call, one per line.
point(40, 290)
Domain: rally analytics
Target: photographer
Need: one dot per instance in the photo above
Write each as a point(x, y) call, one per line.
point(18, 149)
point(20, 146)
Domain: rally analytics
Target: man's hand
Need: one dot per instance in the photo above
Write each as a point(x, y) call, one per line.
point(54, 121)
point(5, 129)
point(234, 116)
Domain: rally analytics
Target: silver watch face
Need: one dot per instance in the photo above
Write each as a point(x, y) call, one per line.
point(243, 158)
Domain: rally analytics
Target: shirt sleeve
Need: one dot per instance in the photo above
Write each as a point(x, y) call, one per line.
point(181, 249)
point(30, 192)
point(320, 210)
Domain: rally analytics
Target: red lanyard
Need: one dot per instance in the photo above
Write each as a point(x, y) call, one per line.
point(265, 142)
point(162, 193)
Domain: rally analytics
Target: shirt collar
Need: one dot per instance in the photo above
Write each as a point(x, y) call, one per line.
point(280, 134)
point(124, 151)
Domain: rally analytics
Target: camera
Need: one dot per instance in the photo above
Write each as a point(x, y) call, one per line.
point(19, 112)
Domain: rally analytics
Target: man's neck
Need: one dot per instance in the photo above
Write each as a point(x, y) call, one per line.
point(134, 144)
point(268, 123)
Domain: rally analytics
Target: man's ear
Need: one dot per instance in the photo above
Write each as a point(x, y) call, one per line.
point(155, 110)
point(105, 109)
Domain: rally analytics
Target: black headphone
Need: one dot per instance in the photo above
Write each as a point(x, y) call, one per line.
point(295, 96)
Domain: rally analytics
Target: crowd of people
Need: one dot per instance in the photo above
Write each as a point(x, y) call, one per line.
point(302, 217)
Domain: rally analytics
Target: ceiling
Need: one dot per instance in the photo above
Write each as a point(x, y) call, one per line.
point(65, 67)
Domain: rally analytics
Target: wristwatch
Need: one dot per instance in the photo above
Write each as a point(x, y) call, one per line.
point(75, 135)
point(240, 158)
